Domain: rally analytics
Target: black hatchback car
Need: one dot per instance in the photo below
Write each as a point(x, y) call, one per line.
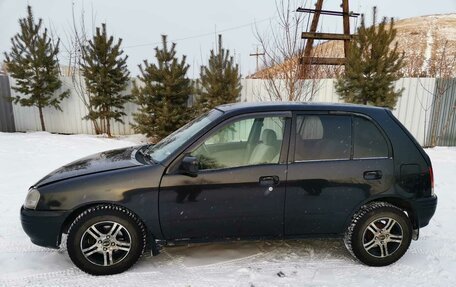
point(243, 171)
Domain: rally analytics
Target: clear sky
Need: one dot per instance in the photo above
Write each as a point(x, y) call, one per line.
point(192, 24)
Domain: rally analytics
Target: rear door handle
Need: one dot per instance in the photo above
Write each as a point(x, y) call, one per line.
point(269, 180)
point(373, 174)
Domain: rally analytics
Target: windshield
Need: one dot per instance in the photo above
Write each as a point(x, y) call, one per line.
point(171, 143)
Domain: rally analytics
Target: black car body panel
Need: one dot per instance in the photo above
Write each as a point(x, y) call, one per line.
point(320, 195)
point(135, 188)
point(103, 161)
point(289, 199)
point(43, 227)
point(425, 209)
point(225, 203)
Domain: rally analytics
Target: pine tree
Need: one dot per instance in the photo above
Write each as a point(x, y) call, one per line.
point(219, 80)
point(163, 94)
point(106, 76)
point(33, 63)
point(372, 67)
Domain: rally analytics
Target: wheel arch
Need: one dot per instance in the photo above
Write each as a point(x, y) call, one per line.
point(401, 203)
point(78, 210)
point(75, 212)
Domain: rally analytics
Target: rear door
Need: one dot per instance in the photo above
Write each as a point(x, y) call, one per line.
point(338, 161)
point(240, 188)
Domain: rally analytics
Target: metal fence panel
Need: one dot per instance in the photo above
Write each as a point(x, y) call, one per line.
point(443, 133)
point(70, 120)
point(413, 109)
point(6, 107)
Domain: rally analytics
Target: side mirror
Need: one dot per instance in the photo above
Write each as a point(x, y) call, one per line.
point(189, 166)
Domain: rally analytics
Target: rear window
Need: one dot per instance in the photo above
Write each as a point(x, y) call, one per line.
point(368, 140)
point(323, 137)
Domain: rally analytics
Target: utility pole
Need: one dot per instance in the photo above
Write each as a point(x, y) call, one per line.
point(257, 56)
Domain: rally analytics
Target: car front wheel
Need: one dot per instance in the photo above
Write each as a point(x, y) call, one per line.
point(106, 239)
point(379, 234)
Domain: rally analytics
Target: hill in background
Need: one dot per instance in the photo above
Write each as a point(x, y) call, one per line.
point(429, 44)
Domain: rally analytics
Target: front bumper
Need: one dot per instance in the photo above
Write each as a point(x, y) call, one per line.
point(425, 209)
point(43, 227)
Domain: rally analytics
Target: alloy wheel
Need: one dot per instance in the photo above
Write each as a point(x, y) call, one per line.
point(105, 243)
point(382, 237)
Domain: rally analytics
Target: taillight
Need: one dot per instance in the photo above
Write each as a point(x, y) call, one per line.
point(431, 175)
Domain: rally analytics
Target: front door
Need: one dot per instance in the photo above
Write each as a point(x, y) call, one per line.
point(240, 187)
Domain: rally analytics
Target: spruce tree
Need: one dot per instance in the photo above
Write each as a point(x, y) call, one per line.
point(106, 76)
point(163, 94)
point(372, 67)
point(33, 63)
point(219, 81)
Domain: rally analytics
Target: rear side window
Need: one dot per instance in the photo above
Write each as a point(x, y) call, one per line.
point(322, 137)
point(368, 140)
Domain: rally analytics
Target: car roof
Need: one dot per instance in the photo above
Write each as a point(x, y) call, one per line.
point(247, 107)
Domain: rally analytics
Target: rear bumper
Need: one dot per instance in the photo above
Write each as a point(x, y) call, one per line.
point(43, 227)
point(425, 209)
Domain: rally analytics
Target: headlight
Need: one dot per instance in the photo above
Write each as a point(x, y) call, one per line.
point(32, 198)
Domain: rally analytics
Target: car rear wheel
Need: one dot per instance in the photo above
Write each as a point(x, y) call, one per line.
point(379, 234)
point(106, 239)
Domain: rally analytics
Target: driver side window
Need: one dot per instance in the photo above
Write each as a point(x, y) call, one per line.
point(245, 142)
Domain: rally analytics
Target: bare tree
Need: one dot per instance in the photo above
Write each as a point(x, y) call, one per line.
point(282, 46)
point(442, 67)
point(76, 39)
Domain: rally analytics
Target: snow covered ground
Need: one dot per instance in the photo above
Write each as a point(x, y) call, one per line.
point(25, 158)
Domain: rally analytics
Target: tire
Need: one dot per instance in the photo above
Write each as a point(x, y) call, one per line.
point(106, 239)
point(379, 234)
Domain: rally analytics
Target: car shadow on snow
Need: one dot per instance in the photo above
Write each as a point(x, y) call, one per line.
point(240, 253)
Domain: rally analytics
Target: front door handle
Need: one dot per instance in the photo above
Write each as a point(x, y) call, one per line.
point(373, 174)
point(269, 180)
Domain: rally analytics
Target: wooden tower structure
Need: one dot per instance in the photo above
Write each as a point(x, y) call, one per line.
point(312, 35)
